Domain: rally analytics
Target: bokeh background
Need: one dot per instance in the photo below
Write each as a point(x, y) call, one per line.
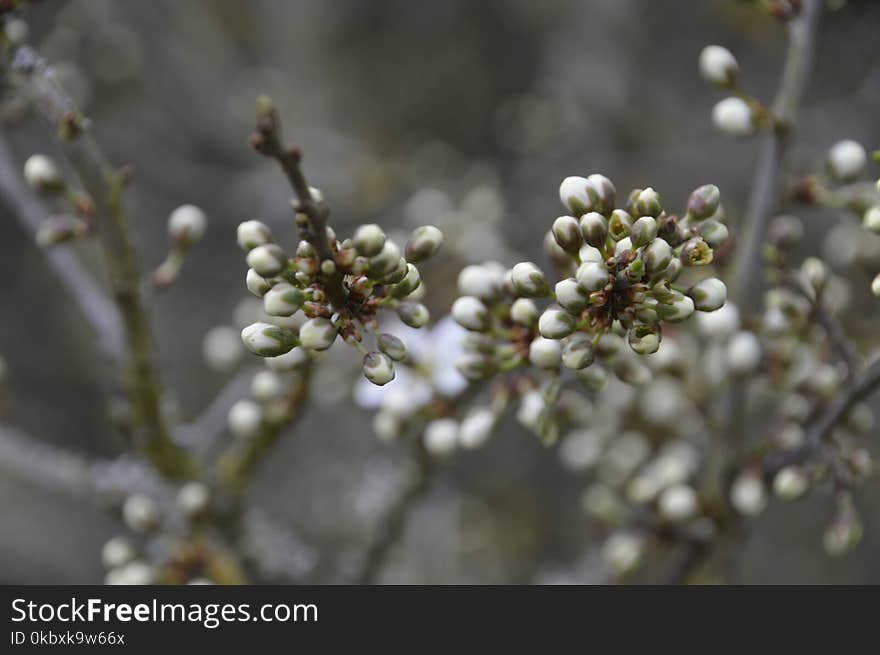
point(408, 112)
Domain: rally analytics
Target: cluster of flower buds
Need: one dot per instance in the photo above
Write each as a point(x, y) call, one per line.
point(369, 272)
point(738, 114)
point(620, 271)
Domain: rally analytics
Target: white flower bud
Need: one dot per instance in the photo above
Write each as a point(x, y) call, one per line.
point(317, 333)
point(709, 294)
point(16, 30)
point(567, 232)
point(605, 188)
point(368, 240)
point(289, 361)
point(245, 418)
point(545, 353)
point(644, 339)
point(622, 552)
point(647, 203)
point(283, 299)
point(391, 346)
point(815, 273)
point(578, 352)
point(474, 366)
point(193, 498)
point(871, 220)
point(703, 202)
point(441, 436)
point(657, 255)
point(256, 283)
point(644, 231)
point(386, 426)
point(267, 340)
point(718, 65)
point(187, 222)
point(677, 311)
point(592, 276)
point(524, 312)
point(847, 160)
point(743, 353)
point(423, 244)
point(678, 503)
point(476, 428)
point(747, 494)
point(266, 385)
point(624, 244)
point(790, 483)
point(140, 513)
point(378, 368)
point(579, 195)
point(528, 280)
point(471, 314)
point(556, 324)
point(580, 449)
point(117, 552)
point(414, 314)
point(221, 347)
point(479, 281)
point(386, 261)
point(267, 260)
point(594, 228)
point(251, 234)
point(571, 295)
point(733, 117)
point(41, 173)
point(410, 282)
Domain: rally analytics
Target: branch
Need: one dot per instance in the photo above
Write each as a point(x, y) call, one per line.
point(766, 187)
point(390, 530)
point(311, 212)
point(93, 303)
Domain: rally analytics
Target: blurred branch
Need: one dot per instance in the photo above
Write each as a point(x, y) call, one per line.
point(93, 303)
point(766, 186)
point(105, 185)
point(311, 212)
point(391, 528)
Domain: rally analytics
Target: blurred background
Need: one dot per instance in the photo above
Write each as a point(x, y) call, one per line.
point(408, 112)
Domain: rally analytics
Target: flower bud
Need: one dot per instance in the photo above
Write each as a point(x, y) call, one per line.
point(648, 203)
point(605, 188)
point(790, 483)
point(117, 552)
point(579, 195)
point(386, 261)
point(709, 294)
point(847, 160)
point(410, 282)
point(392, 346)
point(680, 309)
point(815, 273)
point(289, 361)
point(529, 281)
point(61, 228)
point(479, 281)
point(378, 368)
point(471, 314)
point(267, 340)
point(571, 295)
point(368, 240)
point(592, 276)
point(871, 220)
point(622, 246)
point(140, 513)
point(567, 232)
point(556, 324)
point(193, 499)
point(875, 285)
point(594, 228)
point(41, 173)
point(718, 66)
point(221, 347)
point(678, 503)
point(747, 494)
point(318, 333)
point(396, 274)
point(644, 230)
point(657, 255)
point(256, 283)
point(588, 253)
point(696, 252)
point(266, 385)
point(619, 225)
point(414, 314)
point(714, 233)
point(545, 353)
point(622, 552)
point(524, 312)
point(703, 202)
point(733, 117)
point(743, 353)
point(644, 339)
point(593, 377)
point(267, 260)
point(578, 352)
point(187, 223)
point(441, 436)
point(475, 366)
point(251, 234)
point(245, 419)
point(784, 231)
point(476, 428)
point(423, 244)
point(843, 535)
point(283, 299)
